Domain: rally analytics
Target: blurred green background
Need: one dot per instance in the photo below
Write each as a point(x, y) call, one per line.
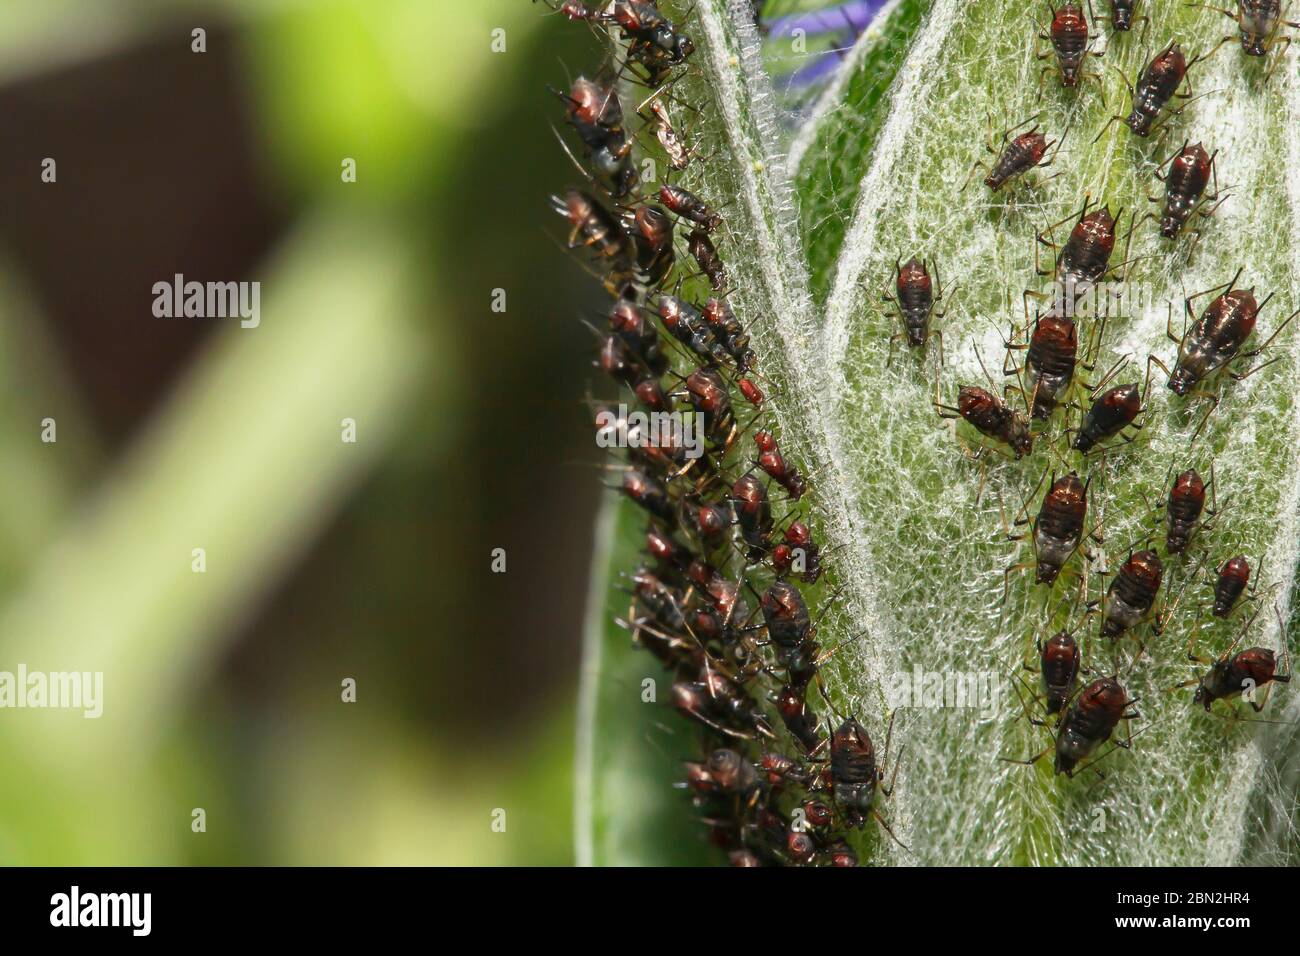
point(325, 560)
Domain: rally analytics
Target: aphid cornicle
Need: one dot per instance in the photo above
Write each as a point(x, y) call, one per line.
point(689, 206)
point(992, 417)
point(1069, 36)
point(1111, 412)
point(1186, 502)
point(1089, 722)
point(1189, 174)
point(1059, 662)
point(1132, 593)
point(1230, 585)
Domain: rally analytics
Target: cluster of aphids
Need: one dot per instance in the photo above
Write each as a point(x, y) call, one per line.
point(1042, 360)
point(716, 600)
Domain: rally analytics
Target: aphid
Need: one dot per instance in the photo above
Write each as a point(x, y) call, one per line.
point(1111, 412)
point(732, 772)
point(753, 394)
point(653, 234)
point(1090, 721)
point(659, 599)
point(1259, 23)
point(1050, 360)
point(841, 854)
point(689, 206)
point(753, 513)
point(780, 769)
point(990, 416)
point(1240, 674)
point(1059, 664)
point(595, 114)
point(799, 719)
point(1190, 171)
point(702, 250)
point(649, 494)
point(685, 323)
point(1131, 594)
point(1216, 338)
point(674, 145)
point(786, 617)
point(744, 858)
point(1230, 585)
point(727, 329)
point(855, 776)
point(628, 321)
point(1084, 258)
point(801, 552)
point(595, 224)
point(772, 462)
point(1121, 16)
point(1056, 531)
point(915, 299)
point(1183, 511)
point(708, 395)
point(672, 557)
point(1016, 156)
point(573, 9)
point(1156, 85)
point(656, 43)
point(711, 522)
point(1068, 34)
point(801, 846)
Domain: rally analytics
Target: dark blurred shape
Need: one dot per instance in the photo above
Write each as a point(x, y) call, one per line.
point(157, 174)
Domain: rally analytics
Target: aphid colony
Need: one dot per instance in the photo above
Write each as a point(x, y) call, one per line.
point(1043, 358)
point(719, 599)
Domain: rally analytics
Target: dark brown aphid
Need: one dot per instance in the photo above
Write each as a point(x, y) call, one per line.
point(1156, 85)
point(855, 776)
point(629, 322)
point(1018, 156)
point(662, 601)
point(992, 417)
point(804, 552)
point(656, 43)
point(1089, 722)
point(727, 329)
point(1216, 338)
point(799, 719)
point(708, 395)
point(1190, 171)
point(1110, 414)
point(753, 513)
point(786, 617)
point(650, 494)
point(702, 250)
point(1242, 673)
point(1050, 361)
point(1084, 258)
point(1069, 36)
point(772, 462)
point(711, 522)
point(915, 297)
point(781, 769)
point(686, 204)
point(1259, 24)
point(1121, 15)
point(593, 110)
point(1186, 502)
point(1131, 594)
point(731, 772)
point(841, 854)
point(653, 234)
point(1059, 663)
point(685, 323)
point(598, 228)
point(1230, 585)
point(1057, 530)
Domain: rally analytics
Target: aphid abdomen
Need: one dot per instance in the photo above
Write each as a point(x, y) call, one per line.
point(1070, 40)
point(1257, 20)
point(1186, 502)
point(915, 301)
point(1089, 722)
point(1132, 593)
point(1231, 583)
point(1060, 666)
point(1050, 361)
